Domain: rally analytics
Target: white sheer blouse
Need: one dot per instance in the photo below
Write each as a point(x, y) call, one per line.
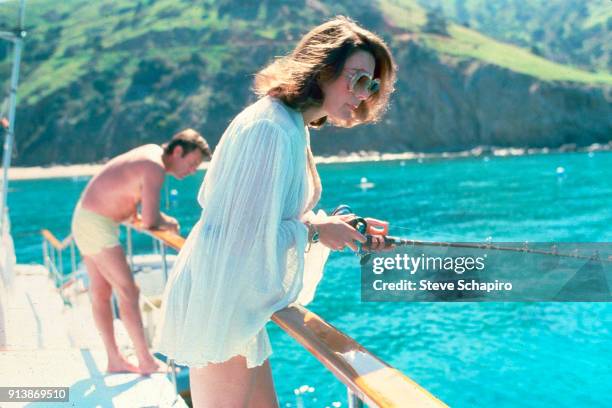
point(245, 258)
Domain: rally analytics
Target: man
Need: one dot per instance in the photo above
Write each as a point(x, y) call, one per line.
point(112, 196)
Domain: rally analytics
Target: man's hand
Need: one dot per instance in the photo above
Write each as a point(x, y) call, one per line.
point(169, 223)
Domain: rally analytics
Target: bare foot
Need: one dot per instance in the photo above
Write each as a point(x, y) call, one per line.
point(149, 367)
point(121, 365)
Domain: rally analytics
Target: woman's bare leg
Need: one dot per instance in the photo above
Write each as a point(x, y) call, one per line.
point(232, 385)
point(262, 393)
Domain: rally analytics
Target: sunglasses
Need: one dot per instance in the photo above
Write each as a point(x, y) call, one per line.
point(361, 83)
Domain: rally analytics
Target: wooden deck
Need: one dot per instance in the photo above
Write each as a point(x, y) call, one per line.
point(48, 344)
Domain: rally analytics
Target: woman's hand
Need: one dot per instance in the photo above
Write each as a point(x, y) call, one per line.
point(335, 233)
point(378, 229)
point(378, 243)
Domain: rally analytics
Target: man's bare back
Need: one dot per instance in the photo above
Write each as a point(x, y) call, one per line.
point(117, 190)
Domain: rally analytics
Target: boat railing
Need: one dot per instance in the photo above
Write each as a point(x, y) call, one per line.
point(53, 259)
point(367, 378)
point(53, 250)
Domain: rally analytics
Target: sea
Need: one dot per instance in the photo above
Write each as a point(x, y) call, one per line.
point(480, 354)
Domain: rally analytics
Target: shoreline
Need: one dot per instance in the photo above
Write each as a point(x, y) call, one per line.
point(87, 170)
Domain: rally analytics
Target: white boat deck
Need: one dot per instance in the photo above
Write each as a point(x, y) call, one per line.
point(50, 345)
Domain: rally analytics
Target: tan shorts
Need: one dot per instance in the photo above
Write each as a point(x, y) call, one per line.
point(93, 232)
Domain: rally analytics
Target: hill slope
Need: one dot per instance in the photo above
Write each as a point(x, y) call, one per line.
point(101, 77)
point(573, 32)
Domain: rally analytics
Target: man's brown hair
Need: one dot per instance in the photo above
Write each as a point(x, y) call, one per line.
point(189, 140)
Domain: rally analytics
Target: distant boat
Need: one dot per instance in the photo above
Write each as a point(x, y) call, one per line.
point(364, 184)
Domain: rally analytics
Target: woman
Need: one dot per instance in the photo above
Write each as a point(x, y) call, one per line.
point(254, 250)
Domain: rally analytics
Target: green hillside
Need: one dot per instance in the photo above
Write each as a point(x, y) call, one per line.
point(572, 32)
point(129, 72)
point(465, 42)
point(69, 38)
point(469, 43)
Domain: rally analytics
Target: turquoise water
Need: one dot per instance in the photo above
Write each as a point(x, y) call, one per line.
point(469, 354)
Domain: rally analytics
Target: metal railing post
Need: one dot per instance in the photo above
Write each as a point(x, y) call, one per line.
point(61, 263)
point(162, 251)
point(155, 245)
point(45, 249)
point(114, 305)
point(172, 367)
point(73, 265)
point(353, 400)
point(53, 255)
point(130, 249)
point(17, 38)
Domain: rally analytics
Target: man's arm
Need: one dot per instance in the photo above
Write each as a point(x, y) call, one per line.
point(151, 216)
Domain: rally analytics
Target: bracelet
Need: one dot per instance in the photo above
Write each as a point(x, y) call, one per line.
point(313, 232)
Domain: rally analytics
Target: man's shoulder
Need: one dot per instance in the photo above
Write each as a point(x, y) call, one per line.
point(146, 159)
point(153, 168)
point(150, 150)
point(148, 155)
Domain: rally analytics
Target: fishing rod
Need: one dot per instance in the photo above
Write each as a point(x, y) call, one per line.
point(370, 228)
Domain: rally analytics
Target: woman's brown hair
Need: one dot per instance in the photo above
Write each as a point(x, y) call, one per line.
point(320, 57)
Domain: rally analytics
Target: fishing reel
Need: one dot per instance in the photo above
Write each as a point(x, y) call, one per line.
point(368, 227)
